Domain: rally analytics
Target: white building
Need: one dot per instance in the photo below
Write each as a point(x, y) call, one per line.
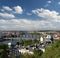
point(25, 51)
point(41, 39)
point(48, 37)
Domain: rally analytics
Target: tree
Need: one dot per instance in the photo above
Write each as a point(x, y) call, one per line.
point(53, 51)
point(21, 34)
point(27, 56)
point(37, 53)
point(18, 43)
point(4, 52)
point(1, 37)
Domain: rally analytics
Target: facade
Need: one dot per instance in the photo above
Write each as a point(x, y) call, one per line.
point(41, 39)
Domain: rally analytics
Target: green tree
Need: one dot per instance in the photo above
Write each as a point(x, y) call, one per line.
point(53, 51)
point(27, 56)
point(1, 37)
point(18, 43)
point(4, 51)
point(37, 53)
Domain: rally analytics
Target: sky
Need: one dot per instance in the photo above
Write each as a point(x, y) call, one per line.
point(29, 15)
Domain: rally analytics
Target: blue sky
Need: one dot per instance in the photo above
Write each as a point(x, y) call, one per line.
point(29, 15)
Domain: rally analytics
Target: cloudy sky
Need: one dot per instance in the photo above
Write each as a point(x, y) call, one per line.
point(29, 15)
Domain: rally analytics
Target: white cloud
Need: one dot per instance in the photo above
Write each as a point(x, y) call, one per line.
point(25, 24)
point(29, 14)
point(49, 1)
point(2, 10)
point(18, 9)
point(50, 20)
point(59, 3)
point(46, 5)
point(47, 14)
point(7, 8)
point(11, 11)
point(15, 9)
point(6, 15)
